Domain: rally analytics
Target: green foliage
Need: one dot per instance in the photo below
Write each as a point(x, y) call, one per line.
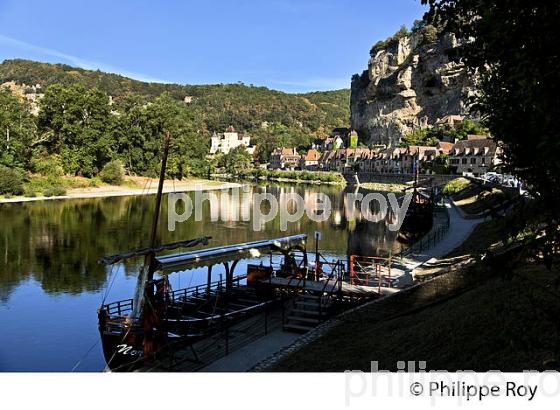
point(11, 181)
point(17, 130)
point(43, 184)
point(468, 127)
point(55, 190)
point(440, 164)
point(426, 137)
point(311, 176)
point(47, 165)
point(79, 122)
point(29, 193)
point(237, 161)
point(518, 89)
point(389, 42)
point(215, 107)
point(429, 34)
point(402, 33)
point(112, 173)
point(455, 186)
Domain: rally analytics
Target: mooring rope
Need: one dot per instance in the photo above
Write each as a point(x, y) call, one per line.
point(85, 355)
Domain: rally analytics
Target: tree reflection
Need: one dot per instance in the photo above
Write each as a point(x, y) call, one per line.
point(58, 242)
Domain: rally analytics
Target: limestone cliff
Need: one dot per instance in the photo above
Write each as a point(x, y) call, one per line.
point(409, 85)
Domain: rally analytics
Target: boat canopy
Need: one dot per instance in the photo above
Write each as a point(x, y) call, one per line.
point(207, 257)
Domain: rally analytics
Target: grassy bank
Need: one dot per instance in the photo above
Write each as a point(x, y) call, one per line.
point(504, 317)
point(474, 199)
point(501, 324)
point(312, 177)
point(377, 186)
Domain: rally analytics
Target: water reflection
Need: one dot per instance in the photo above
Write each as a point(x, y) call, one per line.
point(51, 284)
point(57, 243)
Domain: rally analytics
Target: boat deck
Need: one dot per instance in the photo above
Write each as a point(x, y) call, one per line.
point(219, 345)
point(330, 287)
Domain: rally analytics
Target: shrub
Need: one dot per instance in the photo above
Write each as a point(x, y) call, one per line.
point(11, 181)
point(29, 193)
point(112, 173)
point(48, 165)
point(55, 190)
point(429, 34)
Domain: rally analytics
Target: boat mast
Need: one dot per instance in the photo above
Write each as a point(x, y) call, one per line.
point(153, 236)
point(148, 312)
point(147, 272)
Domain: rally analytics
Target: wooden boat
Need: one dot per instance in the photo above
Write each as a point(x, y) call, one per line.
point(169, 319)
point(158, 319)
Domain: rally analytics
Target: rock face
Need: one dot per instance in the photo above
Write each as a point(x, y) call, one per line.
point(407, 86)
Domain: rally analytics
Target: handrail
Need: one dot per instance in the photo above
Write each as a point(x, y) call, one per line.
point(430, 239)
point(374, 261)
point(121, 307)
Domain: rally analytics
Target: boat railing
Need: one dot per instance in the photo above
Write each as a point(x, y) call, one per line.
point(124, 307)
point(119, 308)
point(204, 289)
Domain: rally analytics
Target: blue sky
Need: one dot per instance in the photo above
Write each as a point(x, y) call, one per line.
point(290, 45)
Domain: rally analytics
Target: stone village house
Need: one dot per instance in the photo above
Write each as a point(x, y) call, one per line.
point(284, 158)
point(474, 155)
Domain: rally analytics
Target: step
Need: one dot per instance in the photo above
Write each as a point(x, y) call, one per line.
point(313, 297)
point(304, 319)
point(249, 301)
point(310, 303)
point(298, 327)
point(305, 312)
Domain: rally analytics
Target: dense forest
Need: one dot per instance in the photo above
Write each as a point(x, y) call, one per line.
point(85, 120)
point(271, 117)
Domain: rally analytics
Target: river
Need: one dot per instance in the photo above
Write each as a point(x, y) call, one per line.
point(51, 284)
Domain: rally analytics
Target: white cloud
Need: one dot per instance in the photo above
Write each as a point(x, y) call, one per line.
point(316, 83)
point(73, 60)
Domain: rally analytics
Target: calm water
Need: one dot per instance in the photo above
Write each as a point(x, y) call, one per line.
point(51, 285)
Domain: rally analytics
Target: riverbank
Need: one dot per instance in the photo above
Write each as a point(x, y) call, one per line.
point(384, 187)
point(131, 186)
point(468, 312)
point(286, 176)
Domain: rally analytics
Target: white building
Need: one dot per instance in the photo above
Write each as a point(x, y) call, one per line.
point(229, 140)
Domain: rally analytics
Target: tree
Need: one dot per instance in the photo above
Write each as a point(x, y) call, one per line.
point(188, 144)
point(426, 137)
point(131, 133)
point(468, 127)
point(79, 123)
point(429, 34)
point(112, 173)
point(237, 161)
point(18, 130)
point(512, 49)
point(440, 164)
point(11, 181)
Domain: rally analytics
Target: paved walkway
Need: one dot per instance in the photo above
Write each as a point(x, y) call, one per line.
point(248, 356)
point(459, 230)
